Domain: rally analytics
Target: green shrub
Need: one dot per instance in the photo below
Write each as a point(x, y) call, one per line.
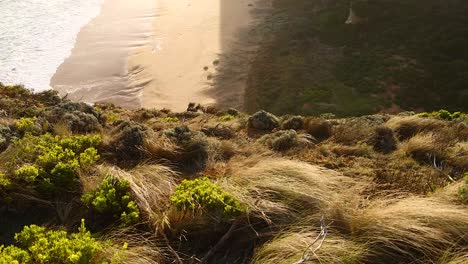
point(27, 172)
point(225, 118)
point(171, 119)
point(26, 124)
point(281, 140)
point(463, 191)
point(38, 245)
point(112, 201)
point(52, 162)
point(444, 115)
point(4, 181)
point(204, 195)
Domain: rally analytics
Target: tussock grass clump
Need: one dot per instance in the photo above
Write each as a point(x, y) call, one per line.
point(279, 190)
point(150, 187)
point(354, 130)
point(263, 120)
point(281, 140)
point(289, 247)
point(406, 127)
point(411, 229)
point(383, 140)
point(295, 122)
point(318, 128)
point(422, 147)
point(219, 131)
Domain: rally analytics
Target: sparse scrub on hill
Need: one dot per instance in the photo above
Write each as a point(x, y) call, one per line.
point(390, 188)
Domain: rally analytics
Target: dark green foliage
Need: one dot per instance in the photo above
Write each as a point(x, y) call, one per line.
point(49, 164)
point(463, 190)
point(219, 131)
point(281, 140)
point(295, 122)
point(193, 148)
point(444, 115)
point(80, 117)
point(5, 137)
point(383, 140)
point(37, 245)
point(263, 120)
point(204, 196)
point(319, 128)
point(128, 138)
point(112, 201)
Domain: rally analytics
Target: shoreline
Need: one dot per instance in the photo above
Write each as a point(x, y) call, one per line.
point(96, 70)
point(150, 53)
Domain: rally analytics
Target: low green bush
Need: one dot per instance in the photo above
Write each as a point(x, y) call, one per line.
point(112, 201)
point(444, 115)
point(39, 245)
point(225, 118)
point(463, 190)
point(26, 124)
point(171, 119)
point(50, 163)
point(205, 196)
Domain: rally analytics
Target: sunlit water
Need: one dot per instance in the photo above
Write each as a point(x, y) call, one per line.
point(37, 35)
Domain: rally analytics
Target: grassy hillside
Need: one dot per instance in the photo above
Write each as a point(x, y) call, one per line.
point(407, 54)
point(102, 184)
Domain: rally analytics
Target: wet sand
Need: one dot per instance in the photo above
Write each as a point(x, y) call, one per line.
point(151, 53)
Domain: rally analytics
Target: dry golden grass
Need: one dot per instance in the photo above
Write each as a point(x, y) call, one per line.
point(280, 190)
point(352, 131)
point(62, 129)
point(288, 248)
point(407, 126)
point(141, 248)
point(411, 229)
point(424, 148)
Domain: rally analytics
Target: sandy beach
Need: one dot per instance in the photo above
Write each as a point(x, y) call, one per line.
point(152, 53)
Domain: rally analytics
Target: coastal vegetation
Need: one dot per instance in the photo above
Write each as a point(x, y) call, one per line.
point(221, 186)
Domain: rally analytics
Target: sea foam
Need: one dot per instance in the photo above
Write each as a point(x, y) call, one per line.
point(37, 35)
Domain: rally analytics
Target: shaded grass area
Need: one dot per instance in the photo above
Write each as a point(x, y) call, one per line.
point(409, 55)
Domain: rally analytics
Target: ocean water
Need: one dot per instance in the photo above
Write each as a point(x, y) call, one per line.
point(37, 35)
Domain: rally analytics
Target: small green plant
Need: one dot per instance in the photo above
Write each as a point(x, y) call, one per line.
point(112, 199)
point(50, 163)
point(444, 115)
point(463, 190)
point(204, 195)
point(27, 172)
point(39, 245)
point(225, 118)
point(111, 117)
point(4, 181)
point(26, 124)
point(170, 119)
